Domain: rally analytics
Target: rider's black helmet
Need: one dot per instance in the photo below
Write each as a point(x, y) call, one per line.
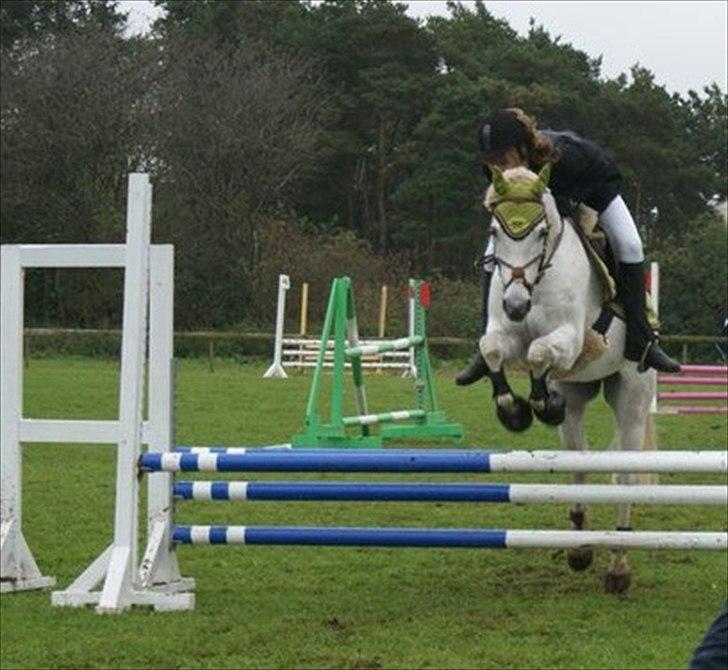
point(501, 130)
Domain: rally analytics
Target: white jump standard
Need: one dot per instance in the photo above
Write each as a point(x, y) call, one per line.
point(148, 287)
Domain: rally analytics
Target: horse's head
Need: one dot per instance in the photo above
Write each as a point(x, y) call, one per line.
point(524, 215)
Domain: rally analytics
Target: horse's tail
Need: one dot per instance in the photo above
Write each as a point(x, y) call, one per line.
point(650, 442)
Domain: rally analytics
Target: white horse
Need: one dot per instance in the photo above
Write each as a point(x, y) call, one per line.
point(544, 299)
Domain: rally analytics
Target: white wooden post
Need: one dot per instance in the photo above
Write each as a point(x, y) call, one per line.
point(18, 569)
point(276, 371)
point(655, 299)
point(411, 370)
point(159, 568)
point(117, 591)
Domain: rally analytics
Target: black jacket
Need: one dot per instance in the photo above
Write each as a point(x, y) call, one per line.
point(582, 172)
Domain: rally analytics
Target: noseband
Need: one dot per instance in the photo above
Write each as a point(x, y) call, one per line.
point(543, 258)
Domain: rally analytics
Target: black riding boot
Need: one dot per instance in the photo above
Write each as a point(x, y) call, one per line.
point(477, 368)
point(641, 345)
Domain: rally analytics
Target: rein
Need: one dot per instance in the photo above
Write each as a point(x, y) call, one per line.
point(544, 258)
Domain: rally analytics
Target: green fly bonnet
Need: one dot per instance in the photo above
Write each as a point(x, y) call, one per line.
point(516, 201)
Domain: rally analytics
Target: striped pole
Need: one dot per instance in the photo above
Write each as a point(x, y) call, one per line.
point(188, 449)
point(693, 395)
point(702, 375)
point(678, 409)
point(449, 538)
point(386, 417)
point(693, 381)
point(705, 369)
point(324, 460)
point(496, 493)
point(382, 347)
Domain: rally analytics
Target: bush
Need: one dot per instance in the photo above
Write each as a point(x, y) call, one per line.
point(314, 257)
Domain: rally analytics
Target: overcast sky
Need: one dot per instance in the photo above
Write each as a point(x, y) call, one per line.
point(683, 43)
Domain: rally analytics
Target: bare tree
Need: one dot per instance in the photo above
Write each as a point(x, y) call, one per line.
point(72, 109)
point(236, 133)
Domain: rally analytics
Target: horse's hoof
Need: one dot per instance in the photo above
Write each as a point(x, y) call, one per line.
point(554, 413)
point(579, 559)
point(516, 416)
point(617, 582)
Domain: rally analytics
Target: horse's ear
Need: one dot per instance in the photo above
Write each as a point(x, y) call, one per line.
point(543, 179)
point(499, 181)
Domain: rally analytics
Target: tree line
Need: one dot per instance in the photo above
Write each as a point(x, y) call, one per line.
point(323, 139)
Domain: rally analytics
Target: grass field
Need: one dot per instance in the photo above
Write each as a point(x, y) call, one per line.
point(267, 607)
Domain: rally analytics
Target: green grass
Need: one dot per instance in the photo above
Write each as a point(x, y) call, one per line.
point(267, 607)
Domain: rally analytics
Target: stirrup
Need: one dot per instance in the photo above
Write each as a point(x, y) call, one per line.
point(663, 362)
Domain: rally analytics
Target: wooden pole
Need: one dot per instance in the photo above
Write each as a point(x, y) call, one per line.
point(304, 322)
point(382, 320)
point(304, 309)
point(383, 312)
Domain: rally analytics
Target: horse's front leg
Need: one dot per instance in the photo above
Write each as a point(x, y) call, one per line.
point(513, 411)
point(559, 349)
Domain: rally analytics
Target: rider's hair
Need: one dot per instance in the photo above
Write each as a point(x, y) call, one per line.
point(539, 148)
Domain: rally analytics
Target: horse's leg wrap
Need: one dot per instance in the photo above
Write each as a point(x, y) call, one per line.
point(512, 410)
point(548, 406)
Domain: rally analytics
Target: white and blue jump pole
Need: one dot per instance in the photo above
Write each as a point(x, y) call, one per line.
point(464, 493)
point(454, 460)
point(241, 459)
point(464, 538)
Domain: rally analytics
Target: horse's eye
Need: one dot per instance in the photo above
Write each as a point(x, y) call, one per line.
point(543, 232)
point(494, 230)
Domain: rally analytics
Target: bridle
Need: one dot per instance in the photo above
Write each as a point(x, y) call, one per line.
point(543, 258)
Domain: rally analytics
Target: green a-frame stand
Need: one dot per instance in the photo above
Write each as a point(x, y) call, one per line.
point(423, 422)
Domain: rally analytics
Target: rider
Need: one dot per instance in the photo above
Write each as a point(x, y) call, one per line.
point(581, 173)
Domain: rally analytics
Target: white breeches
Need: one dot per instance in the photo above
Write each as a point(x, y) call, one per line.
point(621, 231)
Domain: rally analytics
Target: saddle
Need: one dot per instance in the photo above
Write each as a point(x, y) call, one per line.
point(585, 222)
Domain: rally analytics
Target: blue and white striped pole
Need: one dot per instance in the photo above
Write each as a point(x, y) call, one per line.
point(325, 460)
point(450, 538)
point(190, 449)
point(498, 493)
